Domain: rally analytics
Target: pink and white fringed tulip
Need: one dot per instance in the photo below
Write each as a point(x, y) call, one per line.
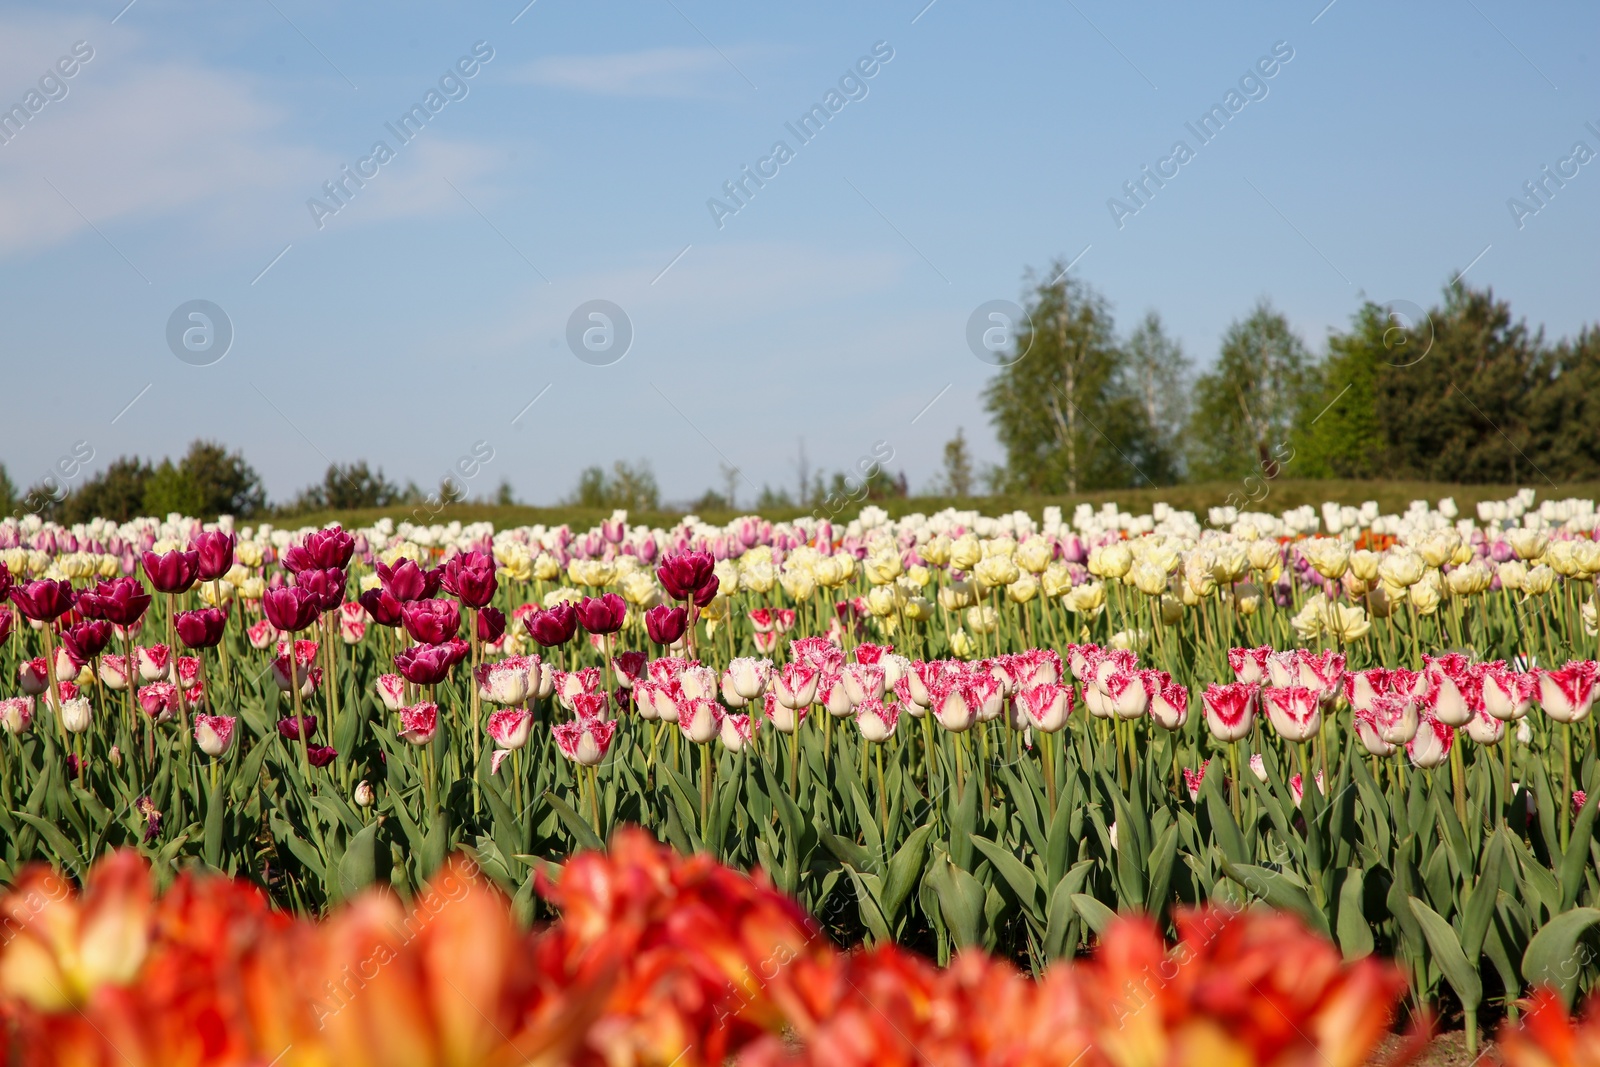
point(1568, 694)
point(419, 723)
point(584, 741)
point(16, 715)
point(154, 662)
point(392, 691)
point(1508, 694)
point(1124, 693)
point(955, 704)
point(877, 720)
point(1366, 723)
point(1046, 706)
point(700, 719)
point(1249, 665)
point(1320, 672)
point(1485, 729)
point(507, 682)
point(510, 727)
point(1169, 704)
point(736, 731)
point(1194, 779)
point(1362, 687)
point(863, 682)
point(114, 672)
point(1395, 719)
point(1431, 746)
point(784, 718)
point(32, 677)
point(1294, 711)
point(1230, 709)
point(214, 734)
point(796, 685)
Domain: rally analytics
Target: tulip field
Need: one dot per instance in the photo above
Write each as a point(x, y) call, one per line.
point(945, 732)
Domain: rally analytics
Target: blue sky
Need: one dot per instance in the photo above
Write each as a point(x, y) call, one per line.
point(576, 164)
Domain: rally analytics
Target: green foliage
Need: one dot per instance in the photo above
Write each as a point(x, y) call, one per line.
point(118, 492)
point(958, 479)
point(208, 481)
point(1067, 411)
point(348, 485)
point(630, 486)
point(1245, 407)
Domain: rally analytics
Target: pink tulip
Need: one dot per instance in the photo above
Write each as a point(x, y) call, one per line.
point(1230, 709)
point(392, 691)
point(876, 719)
point(1249, 665)
point(159, 700)
point(1431, 745)
point(1366, 723)
point(214, 734)
point(584, 741)
point(511, 727)
point(1567, 694)
point(16, 715)
point(1047, 706)
point(1169, 706)
point(784, 718)
point(701, 720)
point(1294, 711)
point(419, 723)
point(736, 732)
point(1395, 719)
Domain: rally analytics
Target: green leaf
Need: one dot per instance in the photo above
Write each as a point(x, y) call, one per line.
point(1553, 958)
point(1096, 914)
point(365, 861)
point(961, 900)
point(1461, 973)
point(1014, 871)
point(904, 869)
point(1355, 933)
point(1276, 889)
point(1572, 864)
point(576, 824)
point(868, 890)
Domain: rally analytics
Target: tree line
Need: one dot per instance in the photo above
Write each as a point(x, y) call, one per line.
point(1461, 392)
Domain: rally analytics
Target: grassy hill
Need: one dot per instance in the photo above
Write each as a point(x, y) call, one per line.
point(1281, 495)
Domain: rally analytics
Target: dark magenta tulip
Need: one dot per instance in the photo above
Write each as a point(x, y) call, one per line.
point(202, 628)
point(407, 581)
point(602, 614)
point(86, 640)
point(321, 755)
point(491, 625)
point(171, 572)
point(471, 579)
point(294, 728)
point(554, 626)
point(43, 600)
point(430, 664)
point(291, 609)
point(381, 606)
point(122, 601)
point(664, 624)
point(326, 583)
point(683, 573)
point(322, 549)
point(706, 593)
point(432, 622)
point(215, 550)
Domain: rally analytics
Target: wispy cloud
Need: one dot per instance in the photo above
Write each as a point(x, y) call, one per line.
point(663, 72)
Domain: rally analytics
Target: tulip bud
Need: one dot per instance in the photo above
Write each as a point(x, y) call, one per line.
point(363, 794)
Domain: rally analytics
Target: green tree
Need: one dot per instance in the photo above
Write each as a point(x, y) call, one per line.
point(1063, 410)
point(630, 486)
point(1246, 406)
point(1459, 413)
point(1338, 433)
point(957, 480)
point(346, 487)
point(1157, 374)
point(1564, 409)
point(8, 491)
point(117, 492)
point(208, 481)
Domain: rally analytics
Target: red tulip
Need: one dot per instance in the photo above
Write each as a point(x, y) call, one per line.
point(320, 755)
point(431, 621)
point(122, 601)
point(159, 700)
point(6, 621)
point(43, 600)
point(666, 625)
point(327, 583)
point(491, 625)
point(471, 578)
point(707, 593)
point(381, 606)
point(602, 615)
point(419, 723)
point(5, 581)
point(407, 581)
point(291, 608)
point(84, 641)
point(685, 573)
point(321, 550)
point(172, 572)
point(215, 550)
point(430, 664)
point(293, 728)
point(554, 626)
point(200, 629)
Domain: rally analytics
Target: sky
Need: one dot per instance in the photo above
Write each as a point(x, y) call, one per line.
point(436, 308)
